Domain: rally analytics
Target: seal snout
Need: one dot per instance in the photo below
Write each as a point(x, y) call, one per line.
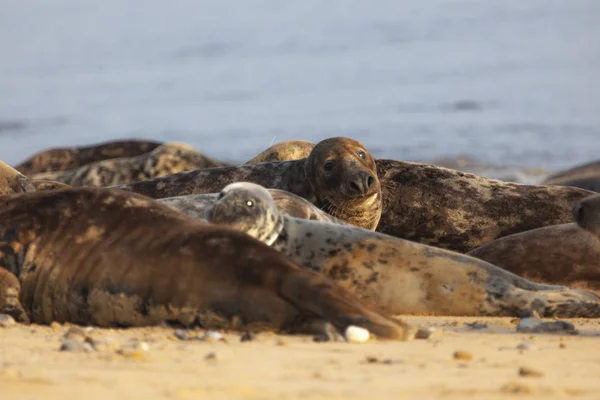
point(362, 182)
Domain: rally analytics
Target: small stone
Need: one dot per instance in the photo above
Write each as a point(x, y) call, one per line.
point(75, 346)
point(6, 321)
point(525, 346)
point(75, 333)
point(55, 326)
point(477, 325)
point(184, 334)
point(524, 371)
point(356, 334)
point(562, 345)
point(463, 355)
point(247, 337)
point(329, 334)
point(213, 336)
point(372, 360)
point(212, 356)
point(533, 325)
point(427, 332)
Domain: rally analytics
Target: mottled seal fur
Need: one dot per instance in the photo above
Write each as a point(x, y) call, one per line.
point(63, 159)
point(459, 211)
point(395, 275)
point(339, 177)
point(566, 253)
point(12, 181)
point(284, 151)
point(560, 254)
point(109, 258)
point(166, 159)
point(196, 205)
point(44, 184)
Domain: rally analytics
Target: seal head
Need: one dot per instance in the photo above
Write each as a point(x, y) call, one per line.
point(249, 208)
point(344, 180)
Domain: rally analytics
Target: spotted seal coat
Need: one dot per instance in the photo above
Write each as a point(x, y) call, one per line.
point(460, 211)
point(12, 181)
point(111, 258)
point(66, 158)
point(398, 276)
point(284, 151)
point(339, 177)
point(196, 205)
point(166, 159)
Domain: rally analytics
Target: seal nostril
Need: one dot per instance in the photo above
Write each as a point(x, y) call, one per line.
point(355, 187)
point(370, 181)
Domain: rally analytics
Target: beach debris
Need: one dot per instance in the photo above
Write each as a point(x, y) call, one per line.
point(476, 325)
point(463, 355)
point(247, 337)
point(76, 346)
point(7, 321)
point(356, 334)
point(536, 325)
point(530, 372)
point(427, 332)
point(329, 334)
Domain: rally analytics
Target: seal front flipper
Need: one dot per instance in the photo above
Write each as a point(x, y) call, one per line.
point(315, 295)
point(10, 288)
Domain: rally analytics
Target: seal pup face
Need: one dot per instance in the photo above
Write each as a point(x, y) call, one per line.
point(12, 181)
point(587, 214)
point(249, 208)
point(344, 180)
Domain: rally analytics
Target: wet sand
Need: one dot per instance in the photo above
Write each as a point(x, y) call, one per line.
point(293, 367)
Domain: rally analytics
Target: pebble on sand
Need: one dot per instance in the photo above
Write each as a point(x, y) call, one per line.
point(529, 372)
point(6, 321)
point(463, 355)
point(356, 334)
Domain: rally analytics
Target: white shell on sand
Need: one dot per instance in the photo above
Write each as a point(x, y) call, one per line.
point(355, 334)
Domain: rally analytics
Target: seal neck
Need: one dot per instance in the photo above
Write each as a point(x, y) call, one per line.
point(273, 234)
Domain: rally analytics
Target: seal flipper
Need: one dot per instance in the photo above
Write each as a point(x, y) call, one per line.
point(314, 294)
point(10, 288)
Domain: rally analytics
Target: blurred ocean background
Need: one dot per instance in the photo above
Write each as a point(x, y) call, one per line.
point(513, 85)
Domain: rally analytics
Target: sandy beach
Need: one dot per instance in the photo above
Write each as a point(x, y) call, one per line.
point(458, 361)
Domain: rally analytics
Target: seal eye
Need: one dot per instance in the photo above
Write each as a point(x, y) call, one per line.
point(362, 154)
point(220, 195)
point(329, 165)
point(250, 203)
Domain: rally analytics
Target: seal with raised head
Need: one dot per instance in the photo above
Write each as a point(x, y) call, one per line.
point(111, 258)
point(66, 158)
point(339, 176)
point(196, 205)
point(396, 275)
point(166, 159)
point(12, 181)
point(460, 211)
point(284, 151)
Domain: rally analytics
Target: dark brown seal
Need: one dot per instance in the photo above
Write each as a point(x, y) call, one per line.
point(460, 211)
point(591, 182)
point(62, 159)
point(284, 151)
point(12, 181)
point(564, 254)
point(339, 176)
point(110, 258)
point(577, 172)
point(393, 274)
point(166, 159)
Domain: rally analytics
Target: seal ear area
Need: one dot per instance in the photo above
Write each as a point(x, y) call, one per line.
point(314, 294)
point(587, 214)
